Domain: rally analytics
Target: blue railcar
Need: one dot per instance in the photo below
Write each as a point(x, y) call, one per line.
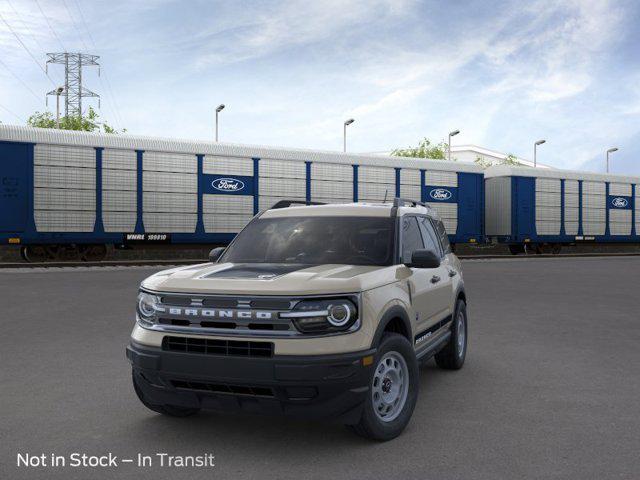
point(77, 192)
point(543, 209)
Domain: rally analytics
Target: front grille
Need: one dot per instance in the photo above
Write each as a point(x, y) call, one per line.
point(223, 388)
point(208, 346)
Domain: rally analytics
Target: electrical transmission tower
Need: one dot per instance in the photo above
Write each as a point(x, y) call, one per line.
point(73, 89)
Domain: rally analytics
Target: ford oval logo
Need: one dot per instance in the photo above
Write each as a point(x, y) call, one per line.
point(440, 194)
point(620, 202)
point(228, 184)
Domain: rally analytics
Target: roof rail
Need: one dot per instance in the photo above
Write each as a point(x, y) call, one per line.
point(401, 202)
point(288, 203)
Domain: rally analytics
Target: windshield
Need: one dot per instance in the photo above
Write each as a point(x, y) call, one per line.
point(315, 241)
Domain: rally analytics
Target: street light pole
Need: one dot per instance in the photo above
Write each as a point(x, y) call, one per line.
point(59, 91)
point(451, 134)
point(535, 152)
point(344, 133)
point(611, 150)
point(219, 108)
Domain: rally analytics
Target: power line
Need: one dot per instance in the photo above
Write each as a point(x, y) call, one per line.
point(26, 27)
point(85, 23)
point(73, 22)
point(12, 113)
point(27, 49)
point(20, 80)
point(110, 97)
point(50, 27)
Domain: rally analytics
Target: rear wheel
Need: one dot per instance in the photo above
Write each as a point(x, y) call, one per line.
point(169, 410)
point(453, 355)
point(393, 390)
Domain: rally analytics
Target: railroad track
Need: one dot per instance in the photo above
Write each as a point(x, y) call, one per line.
point(160, 263)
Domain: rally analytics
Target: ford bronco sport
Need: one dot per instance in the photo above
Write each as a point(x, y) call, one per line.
point(319, 311)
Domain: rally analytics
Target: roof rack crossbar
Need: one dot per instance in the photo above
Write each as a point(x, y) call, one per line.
point(288, 203)
point(401, 202)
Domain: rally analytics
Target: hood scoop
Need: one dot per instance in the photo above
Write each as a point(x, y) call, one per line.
point(256, 271)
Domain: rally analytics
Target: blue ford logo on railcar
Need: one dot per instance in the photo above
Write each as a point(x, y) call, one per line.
point(228, 184)
point(440, 194)
point(620, 202)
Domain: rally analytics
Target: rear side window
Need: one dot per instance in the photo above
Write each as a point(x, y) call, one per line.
point(411, 238)
point(431, 241)
point(442, 234)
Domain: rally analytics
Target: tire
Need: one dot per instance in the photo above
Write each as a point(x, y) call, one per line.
point(453, 355)
point(515, 249)
point(394, 354)
point(169, 410)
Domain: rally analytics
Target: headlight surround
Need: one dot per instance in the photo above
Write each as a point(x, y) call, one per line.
point(146, 308)
point(329, 315)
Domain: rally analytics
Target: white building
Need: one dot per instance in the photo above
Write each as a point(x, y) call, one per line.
point(469, 154)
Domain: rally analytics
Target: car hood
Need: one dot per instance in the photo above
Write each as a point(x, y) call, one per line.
point(271, 279)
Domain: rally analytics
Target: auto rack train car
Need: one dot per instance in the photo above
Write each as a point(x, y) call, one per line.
point(68, 193)
point(540, 210)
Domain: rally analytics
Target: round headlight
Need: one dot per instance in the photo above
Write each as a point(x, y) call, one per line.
point(339, 314)
point(146, 305)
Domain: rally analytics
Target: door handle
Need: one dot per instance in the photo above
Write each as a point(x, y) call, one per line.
point(435, 279)
point(452, 273)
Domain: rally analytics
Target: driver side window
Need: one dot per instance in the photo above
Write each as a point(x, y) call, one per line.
point(431, 241)
point(411, 238)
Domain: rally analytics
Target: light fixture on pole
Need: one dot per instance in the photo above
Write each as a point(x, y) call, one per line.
point(344, 134)
point(219, 108)
point(451, 134)
point(59, 91)
point(535, 152)
point(611, 150)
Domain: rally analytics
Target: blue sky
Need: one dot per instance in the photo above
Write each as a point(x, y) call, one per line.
point(505, 73)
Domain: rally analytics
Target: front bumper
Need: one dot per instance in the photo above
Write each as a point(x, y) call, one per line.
point(320, 386)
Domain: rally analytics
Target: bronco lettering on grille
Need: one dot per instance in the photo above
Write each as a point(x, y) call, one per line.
point(220, 314)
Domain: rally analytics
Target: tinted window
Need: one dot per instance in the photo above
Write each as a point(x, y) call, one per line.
point(430, 238)
point(442, 234)
point(411, 238)
point(315, 241)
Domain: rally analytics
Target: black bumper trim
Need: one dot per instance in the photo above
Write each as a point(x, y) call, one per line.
point(313, 386)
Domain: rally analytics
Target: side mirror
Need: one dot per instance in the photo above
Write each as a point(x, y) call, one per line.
point(424, 259)
point(215, 254)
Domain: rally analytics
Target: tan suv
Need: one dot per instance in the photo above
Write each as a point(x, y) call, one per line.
point(320, 311)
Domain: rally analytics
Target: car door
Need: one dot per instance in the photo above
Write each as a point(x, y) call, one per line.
point(425, 284)
point(443, 294)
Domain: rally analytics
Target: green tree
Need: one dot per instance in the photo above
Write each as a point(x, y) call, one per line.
point(510, 159)
point(87, 123)
point(425, 149)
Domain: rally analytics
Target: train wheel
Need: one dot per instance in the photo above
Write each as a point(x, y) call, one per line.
point(34, 253)
point(546, 248)
point(515, 249)
point(530, 248)
point(93, 253)
point(556, 248)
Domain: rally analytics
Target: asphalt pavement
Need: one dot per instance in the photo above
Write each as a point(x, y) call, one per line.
point(551, 387)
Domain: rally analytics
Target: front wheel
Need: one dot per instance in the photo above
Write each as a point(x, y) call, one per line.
point(453, 355)
point(393, 390)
